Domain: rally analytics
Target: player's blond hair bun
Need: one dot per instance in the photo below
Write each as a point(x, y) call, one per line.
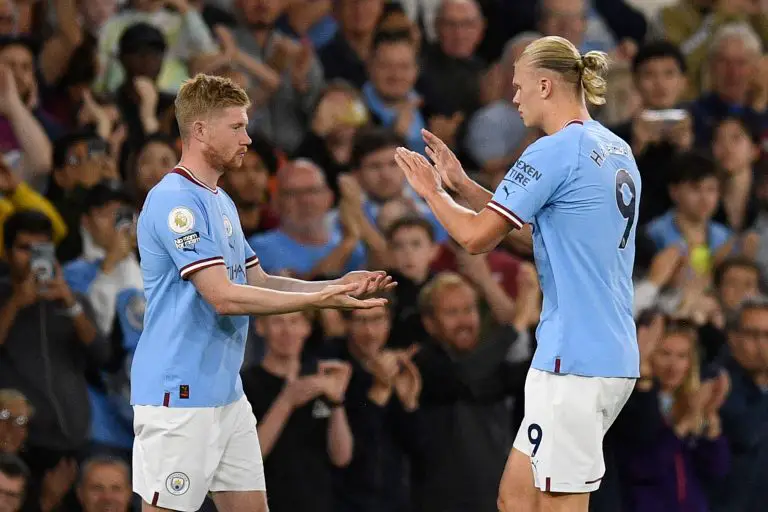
point(586, 72)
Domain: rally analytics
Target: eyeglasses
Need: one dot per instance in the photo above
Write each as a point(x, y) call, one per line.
point(19, 421)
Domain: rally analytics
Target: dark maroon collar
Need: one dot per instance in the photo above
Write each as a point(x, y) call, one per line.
point(183, 171)
point(573, 121)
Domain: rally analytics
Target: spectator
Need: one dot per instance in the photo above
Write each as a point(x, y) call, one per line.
point(694, 188)
point(16, 195)
point(381, 180)
point(80, 161)
point(144, 109)
point(183, 29)
point(736, 279)
point(451, 74)
point(659, 72)
point(310, 20)
point(693, 26)
point(389, 94)
point(153, 159)
point(736, 82)
point(105, 485)
point(13, 482)
point(464, 413)
point(15, 414)
point(248, 187)
point(745, 411)
point(381, 401)
point(496, 135)
point(339, 114)
point(736, 148)
point(302, 423)
point(282, 121)
point(43, 320)
point(673, 443)
point(345, 55)
point(108, 275)
point(413, 247)
point(24, 141)
point(305, 244)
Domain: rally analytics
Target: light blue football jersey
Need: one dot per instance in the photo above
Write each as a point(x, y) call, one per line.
point(580, 190)
point(188, 355)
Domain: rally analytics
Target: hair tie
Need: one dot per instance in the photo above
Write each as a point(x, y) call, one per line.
point(580, 64)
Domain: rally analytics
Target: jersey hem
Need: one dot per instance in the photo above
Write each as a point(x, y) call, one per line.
point(505, 213)
point(251, 262)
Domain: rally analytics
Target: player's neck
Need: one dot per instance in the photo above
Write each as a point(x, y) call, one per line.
point(563, 115)
point(201, 170)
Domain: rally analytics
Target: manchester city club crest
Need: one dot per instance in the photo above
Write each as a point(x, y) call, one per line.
point(227, 226)
point(177, 483)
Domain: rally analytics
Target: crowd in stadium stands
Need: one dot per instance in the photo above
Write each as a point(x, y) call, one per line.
point(426, 394)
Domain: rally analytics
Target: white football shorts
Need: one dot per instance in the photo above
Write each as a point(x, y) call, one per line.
point(566, 418)
point(181, 453)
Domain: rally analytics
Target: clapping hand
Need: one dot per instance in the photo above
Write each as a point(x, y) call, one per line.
point(334, 377)
point(422, 176)
point(407, 382)
point(446, 162)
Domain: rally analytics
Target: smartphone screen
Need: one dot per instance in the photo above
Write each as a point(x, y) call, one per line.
point(42, 262)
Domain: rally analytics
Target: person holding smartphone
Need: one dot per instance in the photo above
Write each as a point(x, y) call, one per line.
point(46, 338)
point(660, 129)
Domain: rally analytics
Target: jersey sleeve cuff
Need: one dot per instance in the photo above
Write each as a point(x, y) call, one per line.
point(506, 214)
point(187, 270)
point(251, 262)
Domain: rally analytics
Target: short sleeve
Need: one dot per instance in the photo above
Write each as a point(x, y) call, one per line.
point(530, 183)
point(251, 260)
point(180, 224)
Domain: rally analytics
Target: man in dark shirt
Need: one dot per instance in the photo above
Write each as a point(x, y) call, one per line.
point(47, 338)
point(659, 70)
point(450, 73)
point(382, 398)
point(346, 54)
point(302, 423)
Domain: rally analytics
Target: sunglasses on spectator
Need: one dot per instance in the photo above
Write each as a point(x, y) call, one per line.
point(19, 421)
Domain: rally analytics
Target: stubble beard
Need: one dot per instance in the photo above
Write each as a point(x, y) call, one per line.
point(217, 161)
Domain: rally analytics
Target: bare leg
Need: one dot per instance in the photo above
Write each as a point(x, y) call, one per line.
point(241, 501)
point(517, 492)
point(563, 502)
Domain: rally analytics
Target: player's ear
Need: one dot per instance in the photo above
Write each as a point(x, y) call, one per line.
point(199, 130)
point(545, 87)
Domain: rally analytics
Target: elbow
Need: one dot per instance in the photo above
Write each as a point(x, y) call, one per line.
point(223, 306)
point(474, 246)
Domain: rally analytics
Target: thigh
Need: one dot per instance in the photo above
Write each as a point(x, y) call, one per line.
point(563, 432)
point(173, 461)
point(517, 492)
point(241, 467)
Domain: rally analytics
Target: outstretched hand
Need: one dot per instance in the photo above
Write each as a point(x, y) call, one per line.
point(338, 296)
point(368, 283)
